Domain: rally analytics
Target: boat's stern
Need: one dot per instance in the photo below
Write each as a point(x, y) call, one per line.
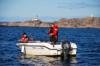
point(73, 49)
point(69, 48)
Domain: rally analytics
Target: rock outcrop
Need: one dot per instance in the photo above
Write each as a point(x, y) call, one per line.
point(82, 22)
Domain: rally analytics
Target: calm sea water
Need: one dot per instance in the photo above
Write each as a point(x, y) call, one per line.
point(87, 39)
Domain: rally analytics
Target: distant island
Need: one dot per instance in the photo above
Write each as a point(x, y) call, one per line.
point(87, 22)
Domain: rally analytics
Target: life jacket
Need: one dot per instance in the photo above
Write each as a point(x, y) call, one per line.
point(24, 39)
point(54, 30)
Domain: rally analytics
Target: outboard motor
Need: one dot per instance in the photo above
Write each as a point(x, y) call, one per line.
point(68, 49)
point(65, 50)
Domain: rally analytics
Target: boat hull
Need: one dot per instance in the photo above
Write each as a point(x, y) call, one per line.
point(45, 49)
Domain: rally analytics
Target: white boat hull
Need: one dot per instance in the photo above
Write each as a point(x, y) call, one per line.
point(44, 48)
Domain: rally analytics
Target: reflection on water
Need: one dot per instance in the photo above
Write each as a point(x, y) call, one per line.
point(48, 61)
point(70, 61)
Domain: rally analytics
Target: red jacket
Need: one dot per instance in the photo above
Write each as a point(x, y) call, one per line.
point(54, 31)
point(24, 40)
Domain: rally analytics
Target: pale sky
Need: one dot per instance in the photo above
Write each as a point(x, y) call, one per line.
point(47, 10)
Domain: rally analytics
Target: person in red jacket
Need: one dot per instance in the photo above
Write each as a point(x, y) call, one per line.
point(53, 33)
point(24, 38)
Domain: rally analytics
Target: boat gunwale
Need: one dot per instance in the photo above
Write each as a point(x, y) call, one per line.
point(24, 44)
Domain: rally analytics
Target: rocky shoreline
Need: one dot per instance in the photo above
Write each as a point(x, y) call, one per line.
point(87, 22)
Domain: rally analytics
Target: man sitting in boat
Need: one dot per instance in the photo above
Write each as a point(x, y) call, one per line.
point(53, 33)
point(24, 38)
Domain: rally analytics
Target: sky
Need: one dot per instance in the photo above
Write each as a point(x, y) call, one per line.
point(47, 10)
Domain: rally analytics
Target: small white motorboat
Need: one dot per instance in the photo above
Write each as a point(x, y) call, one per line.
point(46, 48)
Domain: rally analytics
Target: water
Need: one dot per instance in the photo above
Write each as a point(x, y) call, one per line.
point(87, 39)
